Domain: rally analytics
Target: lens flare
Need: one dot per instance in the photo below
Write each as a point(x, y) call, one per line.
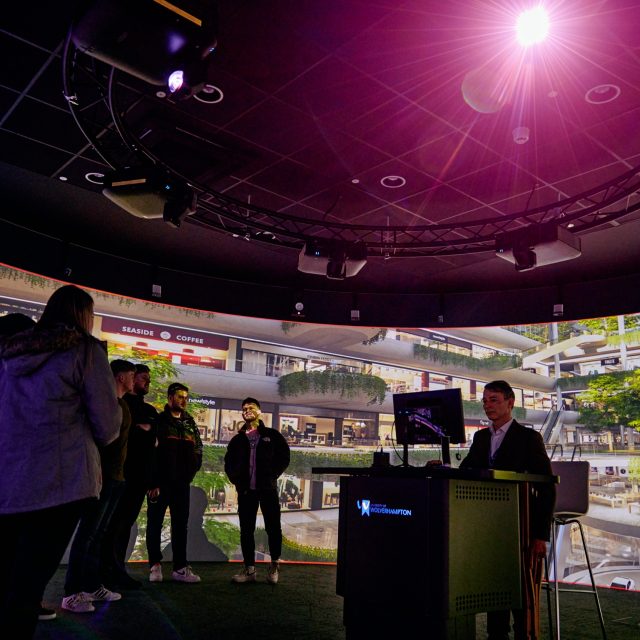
point(532, 26)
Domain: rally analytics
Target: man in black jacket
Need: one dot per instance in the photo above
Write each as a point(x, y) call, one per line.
point(255, 458)
point(509, 446)
point(138, 473)
point(179, 458)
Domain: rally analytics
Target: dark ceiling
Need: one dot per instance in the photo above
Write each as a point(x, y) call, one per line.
point(322, 102)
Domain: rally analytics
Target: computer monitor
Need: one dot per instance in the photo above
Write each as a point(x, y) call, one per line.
point(426, 417)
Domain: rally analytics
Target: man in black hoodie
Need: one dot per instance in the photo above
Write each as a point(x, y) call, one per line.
point(255, 458)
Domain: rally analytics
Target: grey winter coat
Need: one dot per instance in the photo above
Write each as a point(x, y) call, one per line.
point(57, 402)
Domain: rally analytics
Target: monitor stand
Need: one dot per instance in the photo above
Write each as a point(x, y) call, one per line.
point(445, 458)
point(446, 455)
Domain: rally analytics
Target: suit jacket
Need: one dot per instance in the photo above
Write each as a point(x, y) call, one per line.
point(522, 450)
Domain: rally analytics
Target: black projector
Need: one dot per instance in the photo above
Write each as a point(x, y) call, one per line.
point(537, 245)
point(332, 258)
point(150, 193)
point(149, 38)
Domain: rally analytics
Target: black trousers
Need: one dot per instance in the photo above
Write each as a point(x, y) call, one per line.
point(116, 540)
point(269, 503)
point(34, 544)
point(176, 497)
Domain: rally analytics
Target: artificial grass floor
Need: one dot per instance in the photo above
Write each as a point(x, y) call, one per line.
point(302, 606)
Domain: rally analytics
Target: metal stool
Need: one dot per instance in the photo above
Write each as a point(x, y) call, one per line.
point(572, 501)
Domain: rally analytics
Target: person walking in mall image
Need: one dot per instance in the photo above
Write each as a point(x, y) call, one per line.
point(138, 474)
point(59, 403)
point(256, 457)
point(509, 446)
point(84, 579)
point(179, 457)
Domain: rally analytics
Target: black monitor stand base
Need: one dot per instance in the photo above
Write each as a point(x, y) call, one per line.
point(446, 455)
point(445, 458)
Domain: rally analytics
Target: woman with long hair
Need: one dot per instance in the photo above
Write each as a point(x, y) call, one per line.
point(59, 403)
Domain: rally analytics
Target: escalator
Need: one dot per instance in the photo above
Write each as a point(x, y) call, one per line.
point(552, 427)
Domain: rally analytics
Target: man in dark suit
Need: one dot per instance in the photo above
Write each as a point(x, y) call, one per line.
point(509, 446)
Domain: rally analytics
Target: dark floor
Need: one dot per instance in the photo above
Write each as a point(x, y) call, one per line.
point(303, 606)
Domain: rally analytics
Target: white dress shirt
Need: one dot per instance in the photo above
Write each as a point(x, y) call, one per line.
point(497, 436)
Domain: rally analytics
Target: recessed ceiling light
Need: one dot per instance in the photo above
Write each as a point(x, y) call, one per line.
point(62, 178)
point(161, 94)
point(393, 182)
point(355, 181)
point(94, 177)
point(209, 94)
point(602, 93)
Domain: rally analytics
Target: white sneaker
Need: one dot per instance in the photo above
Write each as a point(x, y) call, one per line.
point(102, 594)
point(273, 573)
point(155, 574)
point(185, 575)
point(78, 603)
point(247, 575)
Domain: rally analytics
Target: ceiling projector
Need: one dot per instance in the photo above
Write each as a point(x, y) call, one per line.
point(332, 258)
point(537, 245)
point(150, 193)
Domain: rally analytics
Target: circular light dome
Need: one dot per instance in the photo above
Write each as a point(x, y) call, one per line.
point(209, 94)
point(393, 182)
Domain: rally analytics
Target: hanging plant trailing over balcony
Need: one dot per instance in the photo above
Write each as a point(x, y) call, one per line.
point(286, 326)
point(377, 337)
point(496, 362)
point(348, 385)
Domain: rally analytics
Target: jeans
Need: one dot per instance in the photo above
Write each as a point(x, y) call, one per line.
point(34, 544)
point(176, 497)
point(248, 502)
point(83, 572)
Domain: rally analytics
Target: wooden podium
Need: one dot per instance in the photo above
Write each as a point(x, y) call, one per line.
point(427, 548)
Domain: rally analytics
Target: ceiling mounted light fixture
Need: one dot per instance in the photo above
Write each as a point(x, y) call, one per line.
point(209, 94)
point(532, 26)
point(393, 182)
point(94, 177)
point(521, 135)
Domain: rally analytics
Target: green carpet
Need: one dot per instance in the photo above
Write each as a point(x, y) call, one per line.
point(303, 606)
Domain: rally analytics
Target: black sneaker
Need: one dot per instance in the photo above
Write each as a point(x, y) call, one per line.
point(46, 614)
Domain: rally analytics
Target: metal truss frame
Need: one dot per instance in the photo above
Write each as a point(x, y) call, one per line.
point(91, 87)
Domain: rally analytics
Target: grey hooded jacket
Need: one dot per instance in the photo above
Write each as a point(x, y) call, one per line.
point(57, 403)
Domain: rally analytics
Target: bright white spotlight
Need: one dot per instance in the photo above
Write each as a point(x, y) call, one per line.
point(532, 26)
point(176, 80)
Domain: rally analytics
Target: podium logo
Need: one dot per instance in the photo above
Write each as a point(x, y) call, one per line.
point(367, 508)
point(364, 507)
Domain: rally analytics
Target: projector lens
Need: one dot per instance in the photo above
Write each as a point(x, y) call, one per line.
point(176, 80)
